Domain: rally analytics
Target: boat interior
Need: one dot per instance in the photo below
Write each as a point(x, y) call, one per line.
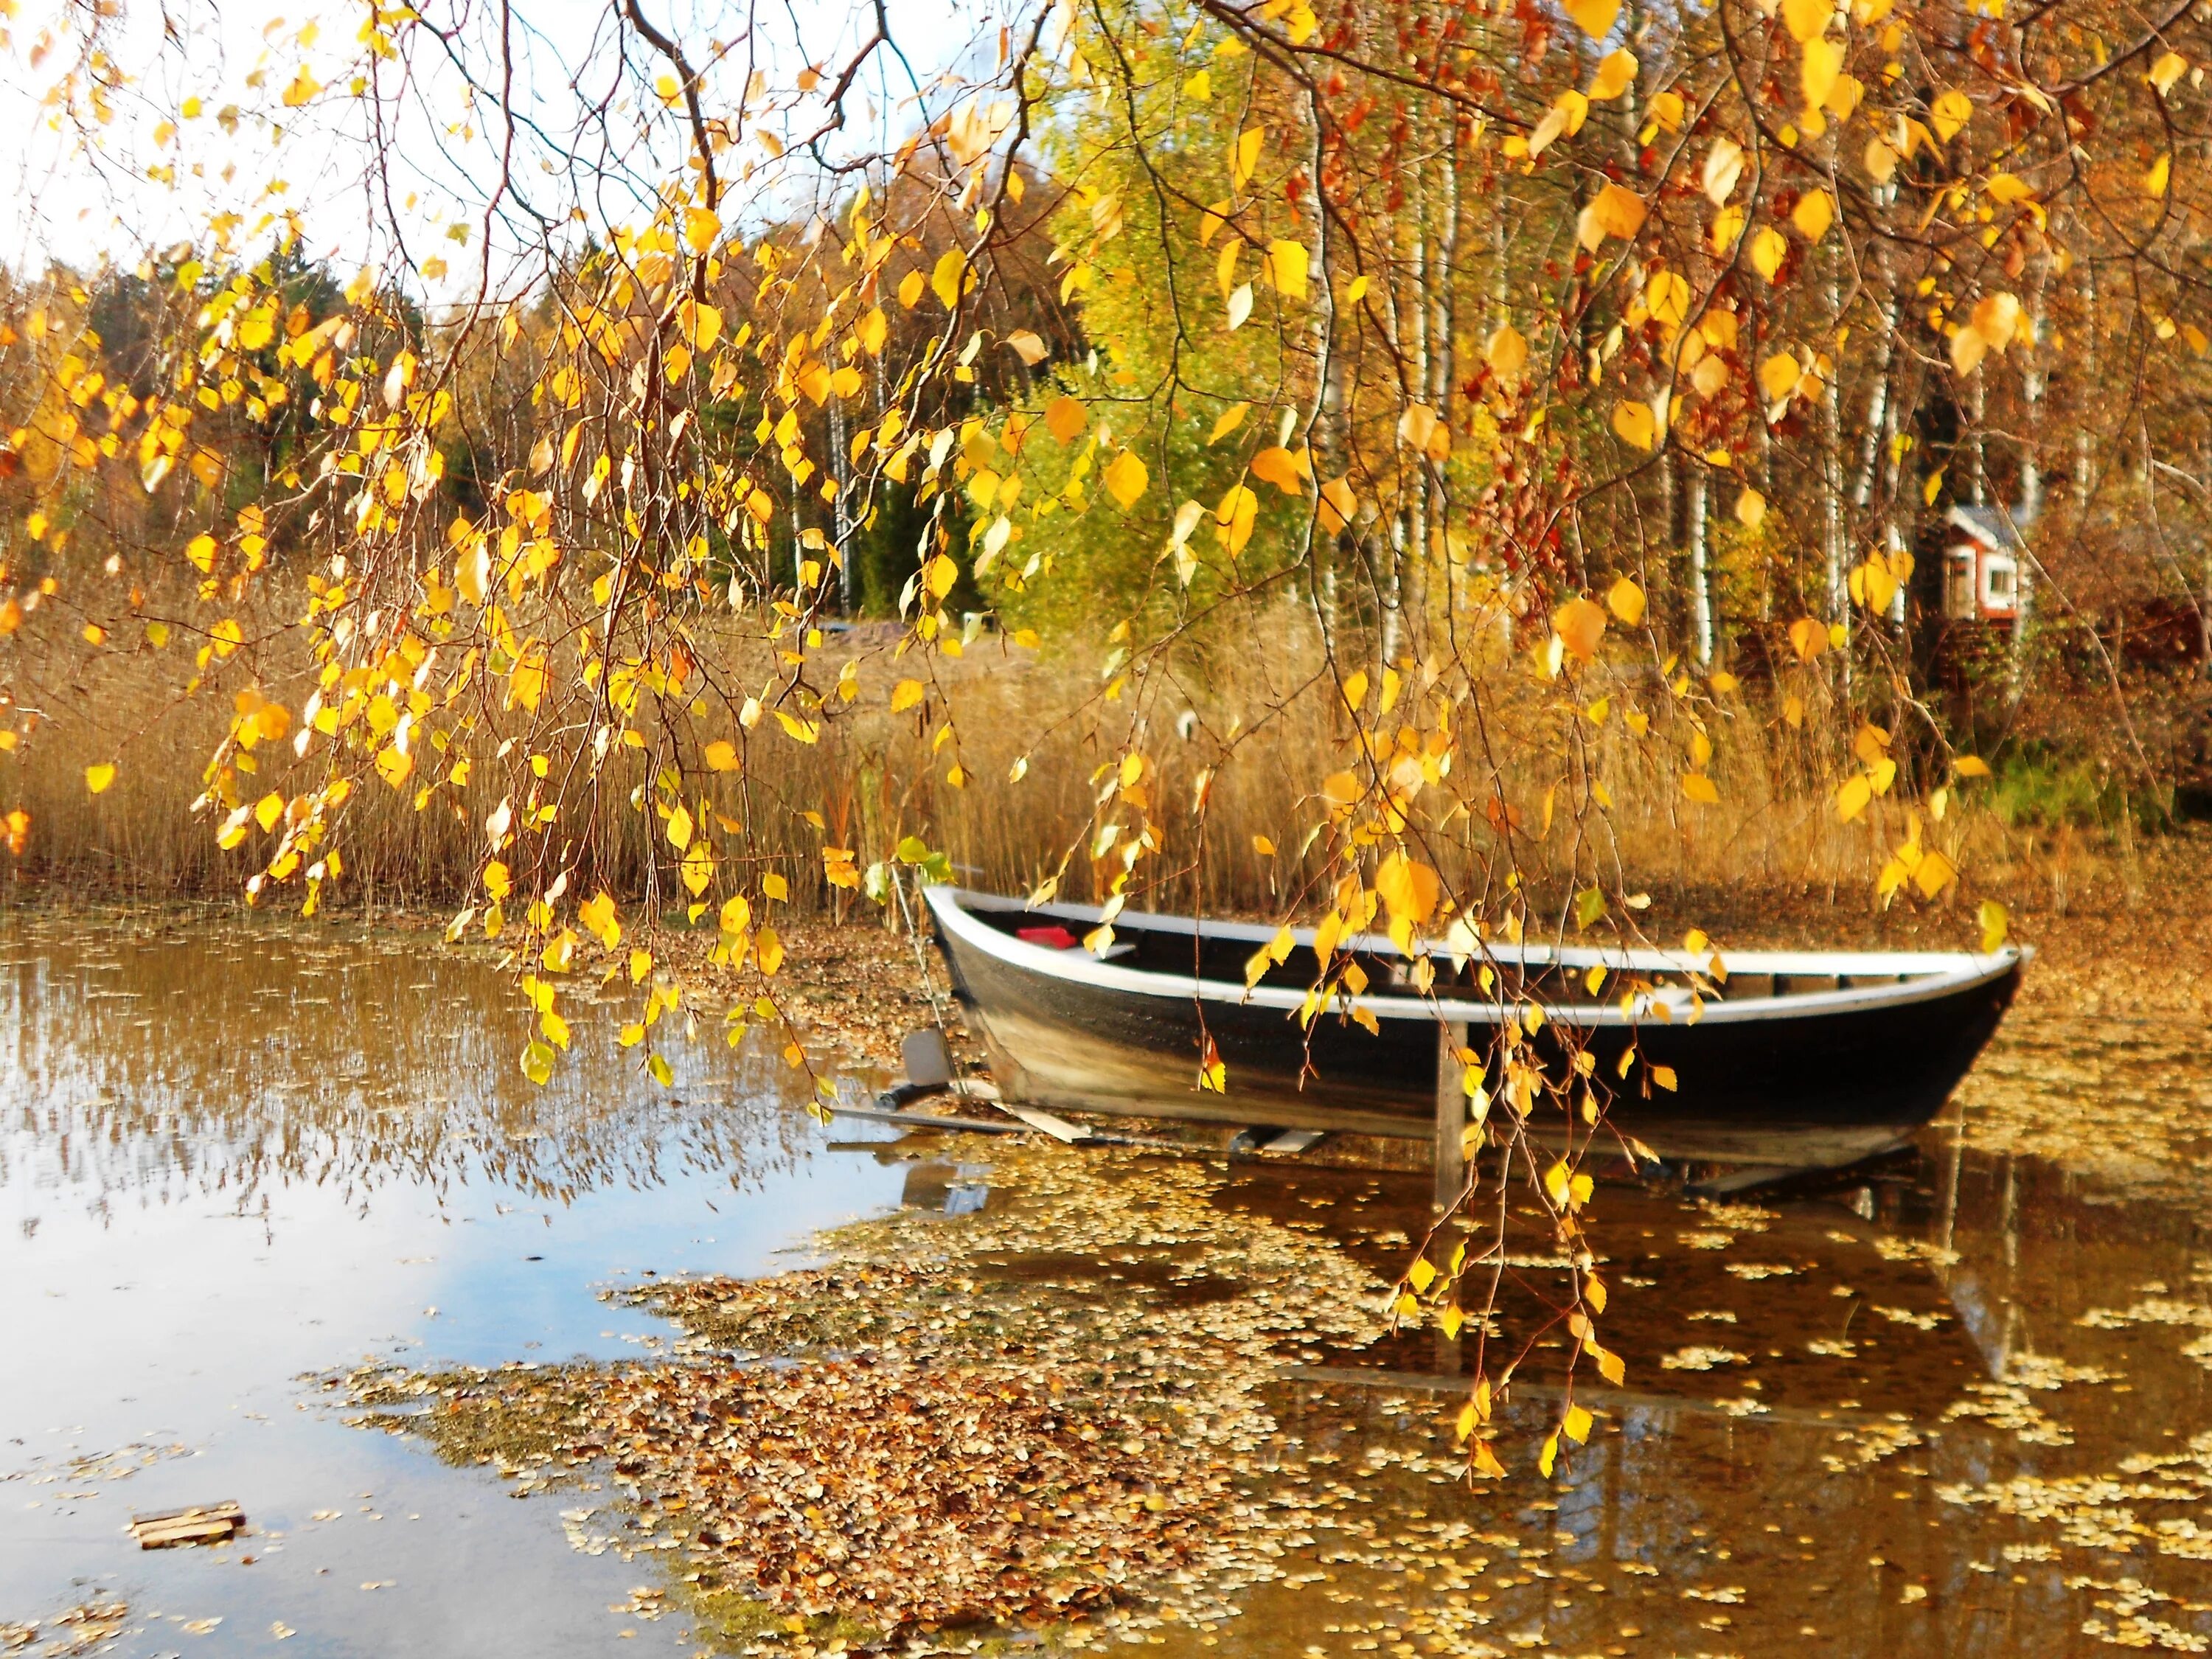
point(1220, 950)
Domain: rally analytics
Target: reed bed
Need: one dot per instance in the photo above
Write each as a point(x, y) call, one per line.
point(1261, 727)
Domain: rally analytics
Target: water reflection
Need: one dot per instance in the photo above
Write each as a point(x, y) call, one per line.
point(228, 1161)
point(150, 1067)
point(1957, 1409)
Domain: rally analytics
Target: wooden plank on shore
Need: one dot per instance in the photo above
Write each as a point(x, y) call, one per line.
point(1058, 1127)
point(200, 1523)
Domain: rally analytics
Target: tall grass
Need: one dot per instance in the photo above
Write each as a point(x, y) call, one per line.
point(1259, 728)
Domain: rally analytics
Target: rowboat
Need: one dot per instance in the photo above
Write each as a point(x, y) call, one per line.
point(1808, 1059)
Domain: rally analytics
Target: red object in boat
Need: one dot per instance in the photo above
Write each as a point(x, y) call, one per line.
point(1053, 938)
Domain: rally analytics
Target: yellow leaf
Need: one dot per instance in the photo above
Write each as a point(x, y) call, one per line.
point(1769, 248)
point(944, 281)
point(909, 290)
point(1664, 1077)
point(1548, 1457)
point(1617, 211)
point(799, 731)
point(1700, 788)
point(679, 828)
point(1065, 418)
point(1577, 1425)
point(1409, 890)
point(1126, 477)
point(1817, 75)
point(1615, 73)
point(1229, 419)
point(394, 765)
point(2169, 69)
point(768, 952)
point(1280, 468)
point(1970, 766)
point(1244, 154)
point(1625, 600)
point(1506, 352)
point(701, 227)
point(1814, 212)
point(1338, 505)
point(1634, 423)
point(1807, 20)
point(905, 695)
point(1933, 874)
point(875, 328)
point(1580, 625)
point(722, 755)
point(1595, 18)
point(1852, 798)
point(2154, 181)
point(702, 324)
point(1996, 924)
point(97, 778)
point(1285, 267)
point(1751, 509)
point(1951, 111)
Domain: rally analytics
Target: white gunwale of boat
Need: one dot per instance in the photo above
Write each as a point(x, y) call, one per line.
point(1918, 975)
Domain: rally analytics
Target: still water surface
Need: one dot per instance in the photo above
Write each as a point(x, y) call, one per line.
point(1956, 1407)
point(225, 1166)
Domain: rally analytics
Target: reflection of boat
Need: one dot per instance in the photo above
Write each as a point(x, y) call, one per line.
point(1803, 1058)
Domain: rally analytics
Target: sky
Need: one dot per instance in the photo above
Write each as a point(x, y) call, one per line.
point(206, 114)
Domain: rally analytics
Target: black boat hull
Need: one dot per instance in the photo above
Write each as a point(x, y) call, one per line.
point(1814, 1088)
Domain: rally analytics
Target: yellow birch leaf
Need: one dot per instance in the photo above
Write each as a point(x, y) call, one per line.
point(1616, 72)
point(1229, 419)
point(1769, 248)
point(1814, 212)
point(1065, 418)
point(1697, 787)
point(1580, 625)
point(944, 281)
point(1751, 509)
point(905, 695)
point(1286, 268)
point(1951, 111)
point(1852, 797)
point(1595, 18)
point(1807, 20)
point(1244, 154)
point(701, 227)
point(1126, 477)
point(97, 778)
point(1824, 62)
point(1633, 422)
point(1625, 600)
point(1617, 211)
point(1506, 352)
point(1996, 925)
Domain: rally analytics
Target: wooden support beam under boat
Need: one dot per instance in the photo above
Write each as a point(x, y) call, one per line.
point(1451, 1162)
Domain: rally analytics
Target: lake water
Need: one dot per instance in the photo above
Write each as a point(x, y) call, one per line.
point(225, 1166)
point(1955, 1407)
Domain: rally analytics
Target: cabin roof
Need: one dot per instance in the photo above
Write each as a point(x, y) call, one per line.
point(1991, 526)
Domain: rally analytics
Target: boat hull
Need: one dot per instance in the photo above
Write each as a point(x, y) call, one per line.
point(1815, 1088)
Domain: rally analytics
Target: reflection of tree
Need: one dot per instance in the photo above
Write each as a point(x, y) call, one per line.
point(161, 1066)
